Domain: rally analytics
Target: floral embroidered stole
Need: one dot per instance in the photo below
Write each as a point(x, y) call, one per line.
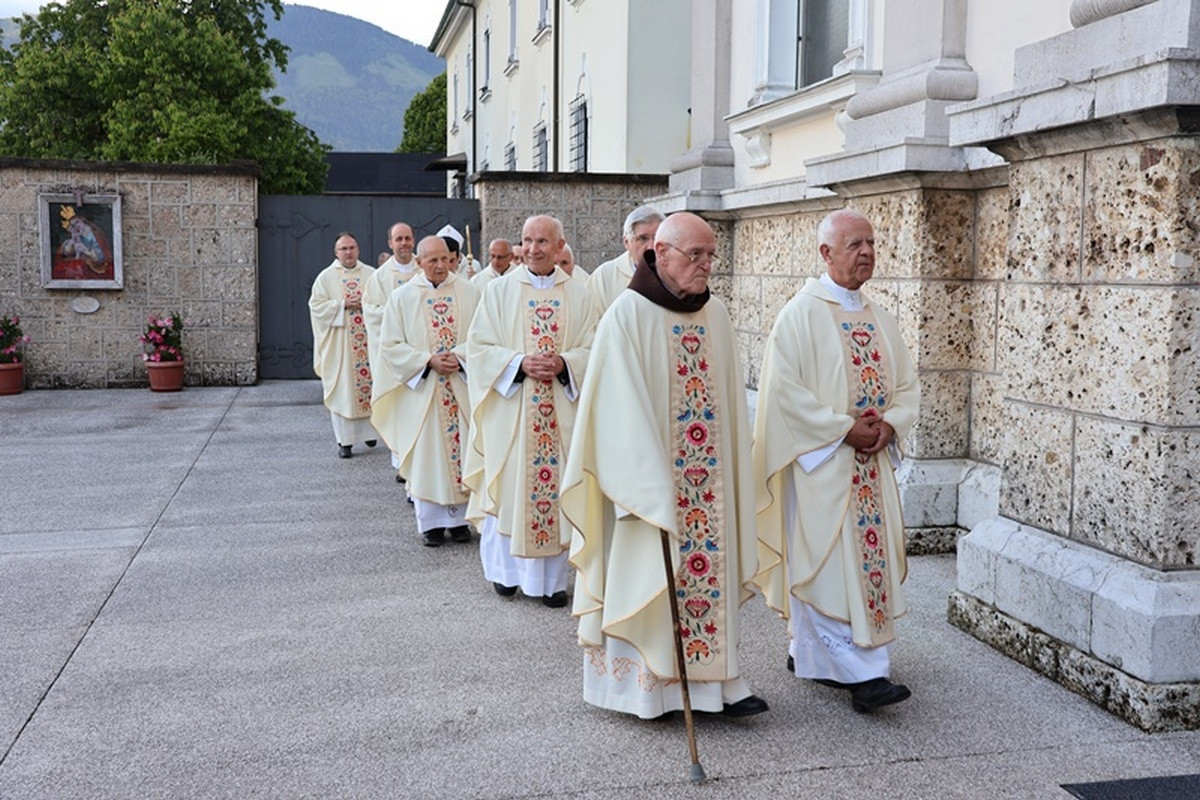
point(356, 331)
point(870, 390)
point(699, 501)
point(441, 324)
point(546, 314)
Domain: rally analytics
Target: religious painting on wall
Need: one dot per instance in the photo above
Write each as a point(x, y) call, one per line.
point(80, 237)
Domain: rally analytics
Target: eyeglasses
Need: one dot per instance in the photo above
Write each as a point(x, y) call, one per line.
point(695, 256)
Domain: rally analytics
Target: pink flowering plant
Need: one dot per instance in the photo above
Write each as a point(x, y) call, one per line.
point(11, 339)
point(163, 339)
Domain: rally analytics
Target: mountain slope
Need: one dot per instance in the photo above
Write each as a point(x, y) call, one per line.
point(349, 80)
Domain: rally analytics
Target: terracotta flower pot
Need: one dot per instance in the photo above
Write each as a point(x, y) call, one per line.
point(12, 377)
point(165, 376)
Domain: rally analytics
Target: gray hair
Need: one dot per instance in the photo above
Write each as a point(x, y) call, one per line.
point(826, 226)
point(639, 215)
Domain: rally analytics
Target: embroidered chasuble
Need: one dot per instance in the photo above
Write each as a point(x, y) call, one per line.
point(662, 441)
point(608, 280)
point(340, 341)
point(843, 554)
point(389, 276)
point(423, 420)
point(517, 443)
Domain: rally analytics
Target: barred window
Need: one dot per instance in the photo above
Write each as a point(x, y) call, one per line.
point(579, 134)
point(510, 157)
point(541, 149)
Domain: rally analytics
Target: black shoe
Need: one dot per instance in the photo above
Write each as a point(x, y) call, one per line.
point(791, 665)
point(399, 478)
point(746, 707)
point(371, 442)
point(459, 533)
point(434, 537)
point(504, 591)
point(556, 600)
point(877, 693)
point(343, 451)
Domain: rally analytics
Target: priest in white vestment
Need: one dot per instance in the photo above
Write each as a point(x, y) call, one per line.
point(420, 403)
point(500, 261)
point(662, 443)
point(341, 356)
point(609, 279)
point(837, 397)
point(399, 266)
point(566, 262)
point(527, 352)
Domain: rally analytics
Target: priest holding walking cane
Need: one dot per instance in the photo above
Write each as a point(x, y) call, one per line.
point(659, 468)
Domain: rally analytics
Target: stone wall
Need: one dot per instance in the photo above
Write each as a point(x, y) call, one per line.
point(190, 245)
point(592, 207)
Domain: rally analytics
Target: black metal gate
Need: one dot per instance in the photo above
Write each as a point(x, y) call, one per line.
point(295, 242)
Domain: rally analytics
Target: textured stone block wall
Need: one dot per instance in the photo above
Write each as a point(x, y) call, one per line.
point(929, 254)
point(592, 208)
point(190, 245)
point(1098, 349)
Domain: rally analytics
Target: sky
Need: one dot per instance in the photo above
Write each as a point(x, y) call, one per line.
point(415, 20)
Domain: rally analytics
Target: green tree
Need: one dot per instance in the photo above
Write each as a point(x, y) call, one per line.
point(166, 81)
point(425, 120)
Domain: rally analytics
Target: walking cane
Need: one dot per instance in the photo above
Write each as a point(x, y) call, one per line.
point(697, 773)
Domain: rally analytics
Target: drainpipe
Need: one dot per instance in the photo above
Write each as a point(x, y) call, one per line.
point(557, 89)
point(474, 82)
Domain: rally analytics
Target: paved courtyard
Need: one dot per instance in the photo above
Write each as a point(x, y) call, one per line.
point(198, 599)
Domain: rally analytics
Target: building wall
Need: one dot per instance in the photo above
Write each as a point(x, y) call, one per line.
point(190, 245)
point(592, 208)
point(636, 81)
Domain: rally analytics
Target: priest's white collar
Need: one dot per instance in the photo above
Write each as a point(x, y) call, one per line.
point(543, 281)
point(848, 299)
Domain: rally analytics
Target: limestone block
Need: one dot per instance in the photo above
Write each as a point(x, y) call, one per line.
point(1036, 456)
point(929, 491)
point(1146, 623)
point(547, 196)
point(746, 306)
point(776, 292)
point(956, 321)
point(201, 314)
point(243, 248)
point(231, 215)
point(215, 189)
point(239, 315)
point(722, 286)
point(229, 283)
point(978, 494)
point(941, 427)
point(987, 416)
point(991, 233)
point(978, 551)
point(160, 282)
point(750, 350)
point(199, 215)
point(1046, 582)
point(169, 192)
point(1142, 200)
point(772, 244)
point(1043, 237)
point(135, 198)
point(1135, 491)
point(1183, 388)
point(1098, 349)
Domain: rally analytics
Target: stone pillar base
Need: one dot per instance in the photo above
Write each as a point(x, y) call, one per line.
point(1153, 707)
point(1121, 634)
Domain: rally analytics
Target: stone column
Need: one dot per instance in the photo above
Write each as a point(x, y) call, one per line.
point(1090, 573)
point(707, 167)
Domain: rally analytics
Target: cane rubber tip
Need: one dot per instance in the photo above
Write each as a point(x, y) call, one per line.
point(698, 775)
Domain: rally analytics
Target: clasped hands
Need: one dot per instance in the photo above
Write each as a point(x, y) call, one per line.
point(444, 363)
point(870, 434)
point(542, 366)
point(353, 302)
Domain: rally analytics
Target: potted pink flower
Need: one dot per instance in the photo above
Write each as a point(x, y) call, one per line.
point(12, 367)
point(163, 352)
